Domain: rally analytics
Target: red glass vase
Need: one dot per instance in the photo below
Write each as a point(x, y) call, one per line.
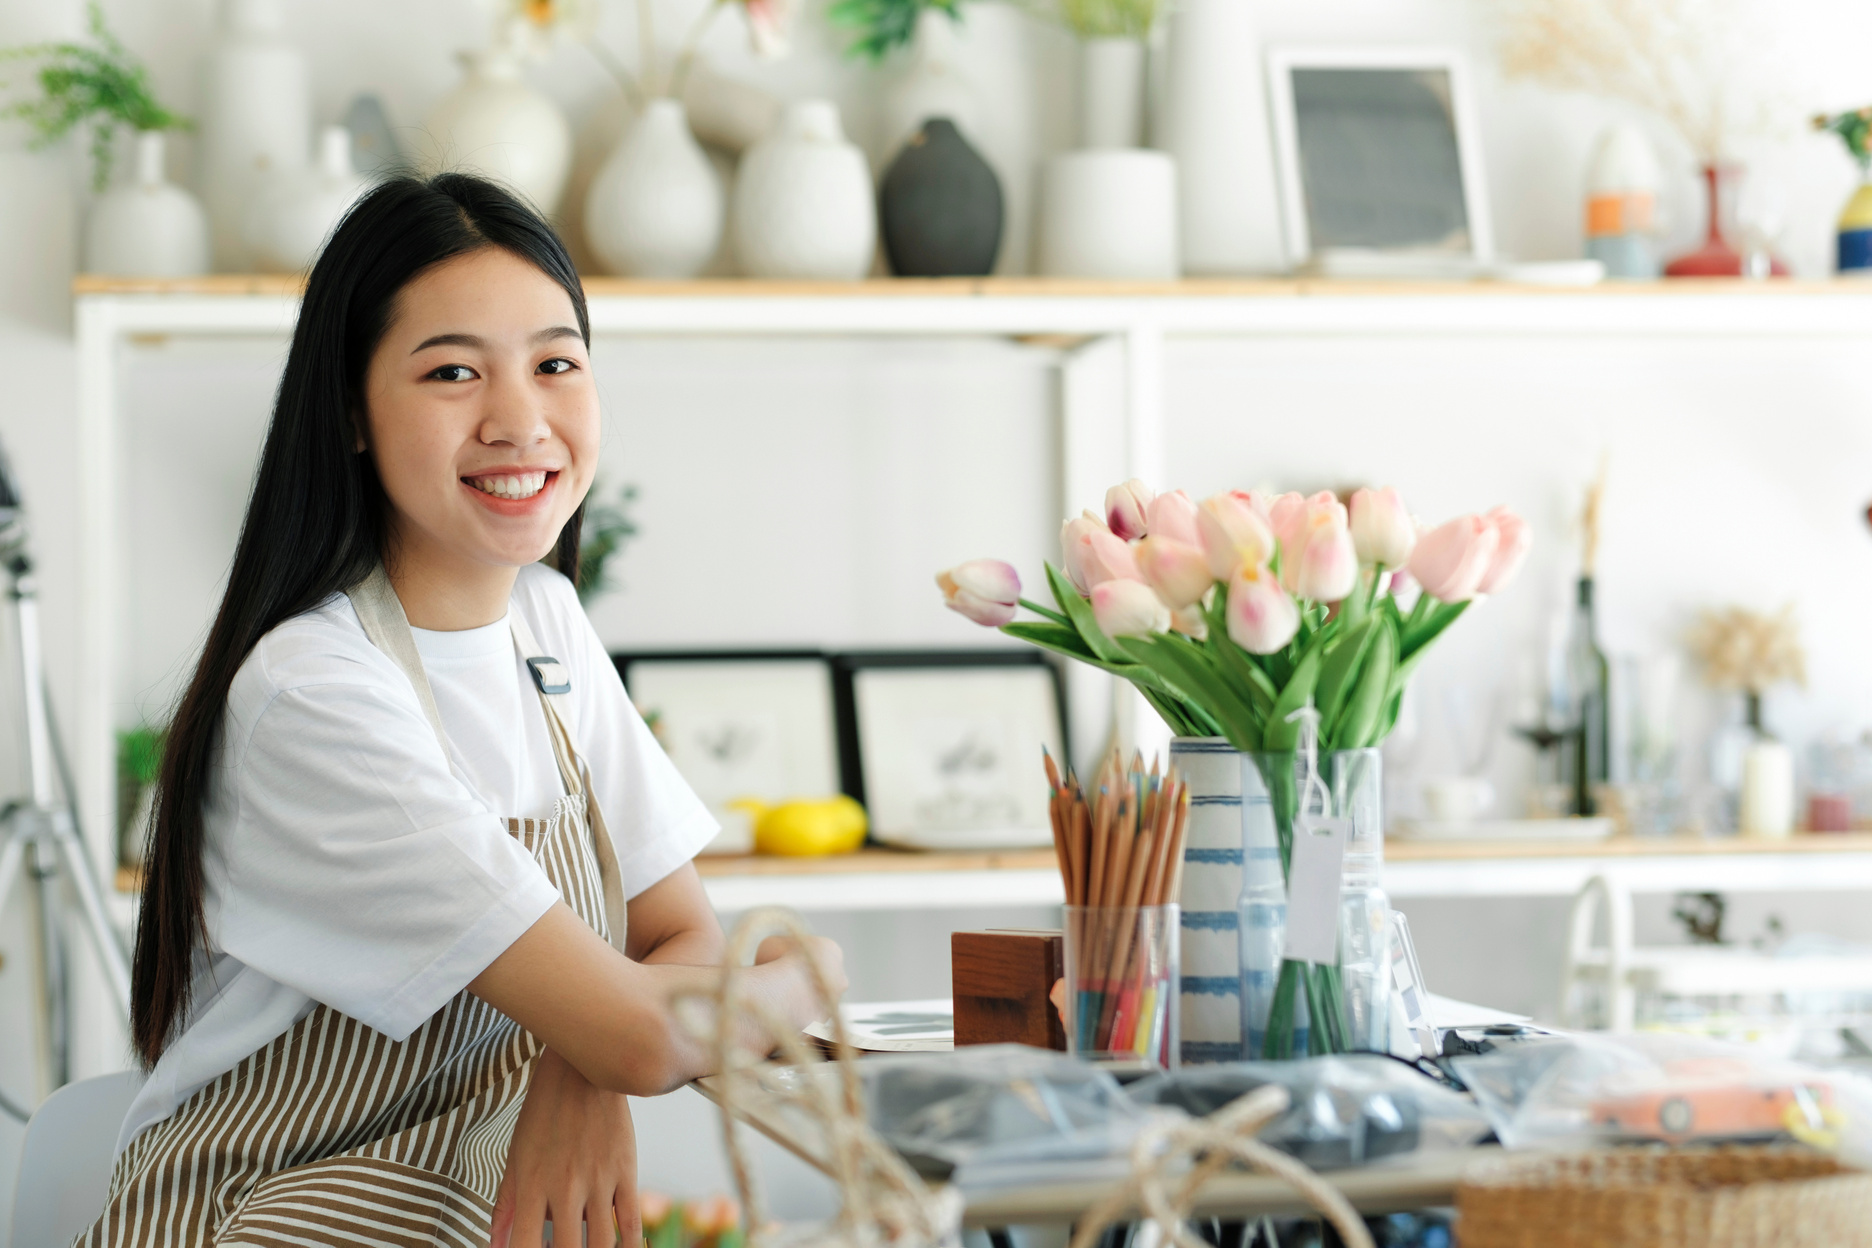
point(1716, 258)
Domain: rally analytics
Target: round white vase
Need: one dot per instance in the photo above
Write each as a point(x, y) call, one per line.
point(655, 208)
point(1111, 92)
point(256, 115)
point(1109, 213)
point(494, 125)
point(148, 227)
point(803, 205)
point(293, 216)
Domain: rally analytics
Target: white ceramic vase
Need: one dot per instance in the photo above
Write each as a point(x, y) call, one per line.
point(803, 204)
point(1109, 213)
point(148, 226)
point(655, 208)
point(496, 126)
point(934, 85)
point(293, 216)
point(256, 117)
point(1215, 124)
point(1111, 92)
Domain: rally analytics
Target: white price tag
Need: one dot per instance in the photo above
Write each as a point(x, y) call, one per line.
point(1313, 889)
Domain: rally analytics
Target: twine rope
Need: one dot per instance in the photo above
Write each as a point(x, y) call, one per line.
point(881, 1200)
point(1171, 1162)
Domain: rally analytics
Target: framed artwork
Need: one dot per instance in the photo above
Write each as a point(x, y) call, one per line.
point(948, 745)
point(737, 725)
point(1380, 162)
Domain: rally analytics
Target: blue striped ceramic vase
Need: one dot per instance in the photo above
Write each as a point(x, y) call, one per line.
point(1212, 885)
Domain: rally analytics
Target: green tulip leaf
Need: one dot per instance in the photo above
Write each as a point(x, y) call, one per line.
point(1341, 665)
point(1359, 726)
point(1281, 733)
point(1080, 612)
point(1183, 665)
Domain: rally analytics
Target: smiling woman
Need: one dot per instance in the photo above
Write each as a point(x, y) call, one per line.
point(419, 886)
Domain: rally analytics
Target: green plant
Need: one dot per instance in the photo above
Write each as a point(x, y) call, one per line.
point(607, 527)
point(885, 24)
point(98, 82)
point(1110, 19)
point(1855, 131)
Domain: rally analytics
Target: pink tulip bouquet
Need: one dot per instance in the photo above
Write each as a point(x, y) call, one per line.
point(1233, 614)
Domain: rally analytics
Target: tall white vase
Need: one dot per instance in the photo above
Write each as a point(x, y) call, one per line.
point(1215, 123)
point(1111, 92)
point(655, 208)
point(148, 227)
point(1212, 884)
point(496, 126)
point(293, 216)
point(803, 204)
point(256, 118)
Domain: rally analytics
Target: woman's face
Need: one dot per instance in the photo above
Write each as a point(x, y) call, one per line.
point(481, 415)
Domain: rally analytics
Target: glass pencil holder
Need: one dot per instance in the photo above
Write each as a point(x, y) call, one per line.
point(1122, 983)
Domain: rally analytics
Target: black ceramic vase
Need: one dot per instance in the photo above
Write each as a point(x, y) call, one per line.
point(940, 206)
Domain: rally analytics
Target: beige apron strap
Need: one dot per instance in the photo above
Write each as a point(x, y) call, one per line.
point(554, 682)
point(380, 611)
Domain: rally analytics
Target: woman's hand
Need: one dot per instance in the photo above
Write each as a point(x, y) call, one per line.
point(573, 1157)
point(799, 999)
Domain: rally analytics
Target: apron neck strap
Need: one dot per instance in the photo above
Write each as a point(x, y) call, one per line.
point(380, 611)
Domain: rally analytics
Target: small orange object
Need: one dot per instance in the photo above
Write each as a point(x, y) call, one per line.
point(1713, 1099)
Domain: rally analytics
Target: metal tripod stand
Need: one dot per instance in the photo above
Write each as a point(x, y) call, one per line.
point(40, 833)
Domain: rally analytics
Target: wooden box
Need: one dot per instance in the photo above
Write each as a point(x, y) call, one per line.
point(1001, 980)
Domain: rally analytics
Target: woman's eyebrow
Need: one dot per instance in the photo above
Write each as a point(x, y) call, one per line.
point(478, 343)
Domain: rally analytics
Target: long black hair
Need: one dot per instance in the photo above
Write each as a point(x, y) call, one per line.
point(316, 521)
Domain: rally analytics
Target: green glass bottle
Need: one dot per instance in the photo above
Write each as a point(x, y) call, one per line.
point(1588, 679)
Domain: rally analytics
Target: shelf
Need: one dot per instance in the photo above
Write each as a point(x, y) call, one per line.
point(887, 879)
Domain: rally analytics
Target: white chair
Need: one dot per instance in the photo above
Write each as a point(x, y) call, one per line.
point(65, 1163)
point(1622, 970)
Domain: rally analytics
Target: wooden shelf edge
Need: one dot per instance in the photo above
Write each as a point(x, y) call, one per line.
point(291, 284)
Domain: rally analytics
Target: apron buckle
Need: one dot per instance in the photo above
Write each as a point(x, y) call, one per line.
point(550, 674)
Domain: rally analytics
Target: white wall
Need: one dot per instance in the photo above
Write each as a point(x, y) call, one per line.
point(805, 492)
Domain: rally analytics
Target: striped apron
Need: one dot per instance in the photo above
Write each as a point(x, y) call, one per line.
point(335, 1134)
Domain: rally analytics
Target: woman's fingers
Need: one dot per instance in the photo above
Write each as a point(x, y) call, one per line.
point(529, 1224)
point(500, 1233)
point(629, 1221)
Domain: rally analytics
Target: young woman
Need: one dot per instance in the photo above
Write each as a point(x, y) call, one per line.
point(420, 885)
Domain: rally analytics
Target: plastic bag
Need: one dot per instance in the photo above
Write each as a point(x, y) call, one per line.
point(1579, 1091)
point(1002, 1113)
point(1344, 1111)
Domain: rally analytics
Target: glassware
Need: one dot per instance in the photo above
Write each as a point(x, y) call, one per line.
point(1284, 1003)
point(1587, 690)
point(1122, 982)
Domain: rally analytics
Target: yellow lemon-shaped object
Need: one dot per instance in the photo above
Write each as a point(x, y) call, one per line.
point(835, 825)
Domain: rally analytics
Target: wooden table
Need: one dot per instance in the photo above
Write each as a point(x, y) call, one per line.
point(1428, 1183)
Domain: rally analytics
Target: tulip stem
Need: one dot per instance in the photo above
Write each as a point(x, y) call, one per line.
point(1047, 612)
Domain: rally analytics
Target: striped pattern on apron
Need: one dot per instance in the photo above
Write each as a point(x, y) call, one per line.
point(335, 1134)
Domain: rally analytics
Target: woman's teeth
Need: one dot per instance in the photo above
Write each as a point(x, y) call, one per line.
point(521, 485)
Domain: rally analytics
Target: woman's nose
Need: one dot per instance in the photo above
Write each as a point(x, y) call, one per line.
point(516, 414)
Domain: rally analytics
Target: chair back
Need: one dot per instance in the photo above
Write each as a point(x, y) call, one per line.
point(65, 1162)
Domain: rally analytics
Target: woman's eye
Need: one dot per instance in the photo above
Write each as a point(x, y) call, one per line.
point(453, 372)
point(557, 365)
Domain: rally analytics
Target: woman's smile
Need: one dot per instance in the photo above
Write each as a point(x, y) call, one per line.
point(513, 493)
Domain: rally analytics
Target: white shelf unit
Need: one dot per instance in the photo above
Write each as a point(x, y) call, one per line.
point(1111, 338)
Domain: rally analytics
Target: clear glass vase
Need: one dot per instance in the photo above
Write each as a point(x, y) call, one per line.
point(1292, 1009)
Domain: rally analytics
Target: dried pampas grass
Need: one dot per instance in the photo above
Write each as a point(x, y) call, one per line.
point(1747, 650)
point(1679, 59)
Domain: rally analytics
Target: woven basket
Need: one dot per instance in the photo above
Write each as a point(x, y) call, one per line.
point(1658, 1198)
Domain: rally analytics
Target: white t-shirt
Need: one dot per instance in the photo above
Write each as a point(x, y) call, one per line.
point(348, 863)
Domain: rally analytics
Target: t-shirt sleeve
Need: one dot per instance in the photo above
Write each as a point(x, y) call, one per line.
point(356, 868)
point(655, 819)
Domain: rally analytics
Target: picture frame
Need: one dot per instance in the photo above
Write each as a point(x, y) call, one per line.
point(741, 724)
point(1379, 161)
point(947, 745)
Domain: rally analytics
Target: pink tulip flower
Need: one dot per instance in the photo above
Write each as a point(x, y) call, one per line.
point(1178, 573)
point(1451, 559)
point(1102, 557)
point(767, 23)
point(1234, 530)
point(1074, 538)
point(1513, 540)
point(1382, 530)
point(1128, 609)
point(985, 590)
point(1173, 515)
point(1287, 517)
point(1124, 509)
point(1261, 617)
point(1318, 560)
point(1191, 622)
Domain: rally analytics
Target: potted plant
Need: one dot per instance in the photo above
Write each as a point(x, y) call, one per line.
point(147, 227)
